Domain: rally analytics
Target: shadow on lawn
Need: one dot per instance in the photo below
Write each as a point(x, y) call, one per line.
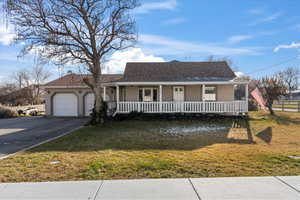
point(146, 135)
point(265, 135)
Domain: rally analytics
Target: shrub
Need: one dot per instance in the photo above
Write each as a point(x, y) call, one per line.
point(6, 112)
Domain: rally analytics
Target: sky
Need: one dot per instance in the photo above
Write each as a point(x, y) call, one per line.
point(260, 37)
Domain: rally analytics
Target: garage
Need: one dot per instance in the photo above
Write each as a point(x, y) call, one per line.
point(65, 104)
point(88, 103)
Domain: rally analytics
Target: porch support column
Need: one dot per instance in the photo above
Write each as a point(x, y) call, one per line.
point(117, 97)
point(104, 93)
point(160, 98)
point(246, 96)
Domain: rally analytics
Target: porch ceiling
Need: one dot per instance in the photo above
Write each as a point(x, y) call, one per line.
point(179, 83)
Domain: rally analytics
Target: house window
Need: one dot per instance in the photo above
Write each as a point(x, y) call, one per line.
point(148, 94)
point(140, 94)
point(210, 93)
point(155, 94)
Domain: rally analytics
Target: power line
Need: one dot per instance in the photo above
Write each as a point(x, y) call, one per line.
point(275, 65)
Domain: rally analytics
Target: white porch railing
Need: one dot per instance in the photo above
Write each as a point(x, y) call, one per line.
point(183, 107)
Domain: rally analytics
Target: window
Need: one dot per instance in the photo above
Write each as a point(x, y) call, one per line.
point(210, 90)
point(140, 94)
point(148, 94)
point(155, 95)
point(210, 93)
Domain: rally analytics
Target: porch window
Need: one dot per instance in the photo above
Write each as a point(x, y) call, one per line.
point(210, 93)
point(148, 94)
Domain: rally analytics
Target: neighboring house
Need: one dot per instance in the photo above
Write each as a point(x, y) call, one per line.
point(294, 96)
point(162, 87)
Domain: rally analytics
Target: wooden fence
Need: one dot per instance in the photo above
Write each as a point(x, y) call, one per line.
point(287, 105)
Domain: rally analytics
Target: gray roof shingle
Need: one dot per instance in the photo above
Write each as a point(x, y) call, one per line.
point(177, 71)
point(77, 79)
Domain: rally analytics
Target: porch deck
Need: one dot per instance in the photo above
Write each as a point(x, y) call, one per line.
point(182, 107)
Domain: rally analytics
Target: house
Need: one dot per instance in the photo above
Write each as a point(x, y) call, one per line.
point(157, 87)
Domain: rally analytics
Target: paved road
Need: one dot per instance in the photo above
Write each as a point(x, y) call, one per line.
point(23, 132)
point(239, 188)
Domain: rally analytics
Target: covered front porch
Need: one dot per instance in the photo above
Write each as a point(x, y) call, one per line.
point(181, 97)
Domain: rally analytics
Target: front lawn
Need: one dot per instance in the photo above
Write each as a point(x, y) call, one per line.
point(165, 149)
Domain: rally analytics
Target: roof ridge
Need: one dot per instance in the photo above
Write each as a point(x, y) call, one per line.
point(180, 62)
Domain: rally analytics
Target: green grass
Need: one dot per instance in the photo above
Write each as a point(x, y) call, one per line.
point(139, 149)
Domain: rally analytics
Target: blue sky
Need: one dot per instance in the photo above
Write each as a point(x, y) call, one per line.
point(258, 36)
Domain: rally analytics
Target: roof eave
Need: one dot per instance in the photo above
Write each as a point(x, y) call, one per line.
point(63, 86)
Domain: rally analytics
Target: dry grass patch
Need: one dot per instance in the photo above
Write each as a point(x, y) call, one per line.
point(144, 149)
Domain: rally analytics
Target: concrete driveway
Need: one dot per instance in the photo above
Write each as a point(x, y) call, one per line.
point(23, 132)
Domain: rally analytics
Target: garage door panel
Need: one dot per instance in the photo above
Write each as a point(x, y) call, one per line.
point(89, 103)
point(65, 104)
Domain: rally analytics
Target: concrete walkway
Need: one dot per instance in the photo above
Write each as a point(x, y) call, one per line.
point(152, 189)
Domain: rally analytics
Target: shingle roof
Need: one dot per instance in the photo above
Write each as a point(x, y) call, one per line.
point(177, 71)
point(77, 80)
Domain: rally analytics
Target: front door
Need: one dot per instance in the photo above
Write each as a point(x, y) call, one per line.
point(178, 93)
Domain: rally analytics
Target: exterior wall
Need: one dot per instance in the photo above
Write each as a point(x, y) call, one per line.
point(225, 93)
point(132, 93)
point(79, 92)
point(167, 93)
point(193, 93)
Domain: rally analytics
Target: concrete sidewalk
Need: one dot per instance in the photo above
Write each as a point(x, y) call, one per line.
point(152, 189)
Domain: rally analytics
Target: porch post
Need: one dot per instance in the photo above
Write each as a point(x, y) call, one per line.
point(118, 97)
point(246, 96)
point(160, 98)
point(104, 93)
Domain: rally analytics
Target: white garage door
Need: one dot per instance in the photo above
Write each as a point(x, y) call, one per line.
point(89, 103)
point(65, 104)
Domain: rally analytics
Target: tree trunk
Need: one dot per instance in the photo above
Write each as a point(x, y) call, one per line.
point(271, 110)
point(97, 117)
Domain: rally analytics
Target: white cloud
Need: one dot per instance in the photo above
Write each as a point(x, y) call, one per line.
point(239, 74)
point(256, 11)
point(159, 5)
point(118, 60)
point(160, 45)
point(266, 19)
point(289, 46)
point(173, 21)
point(238, 38)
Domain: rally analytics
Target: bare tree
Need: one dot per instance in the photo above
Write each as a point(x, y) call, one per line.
point(30, 81)
point(228, 60)
point(38, 76)
point(21, 78)
point(290, 78)
point(82, 32)
point(272, 89)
